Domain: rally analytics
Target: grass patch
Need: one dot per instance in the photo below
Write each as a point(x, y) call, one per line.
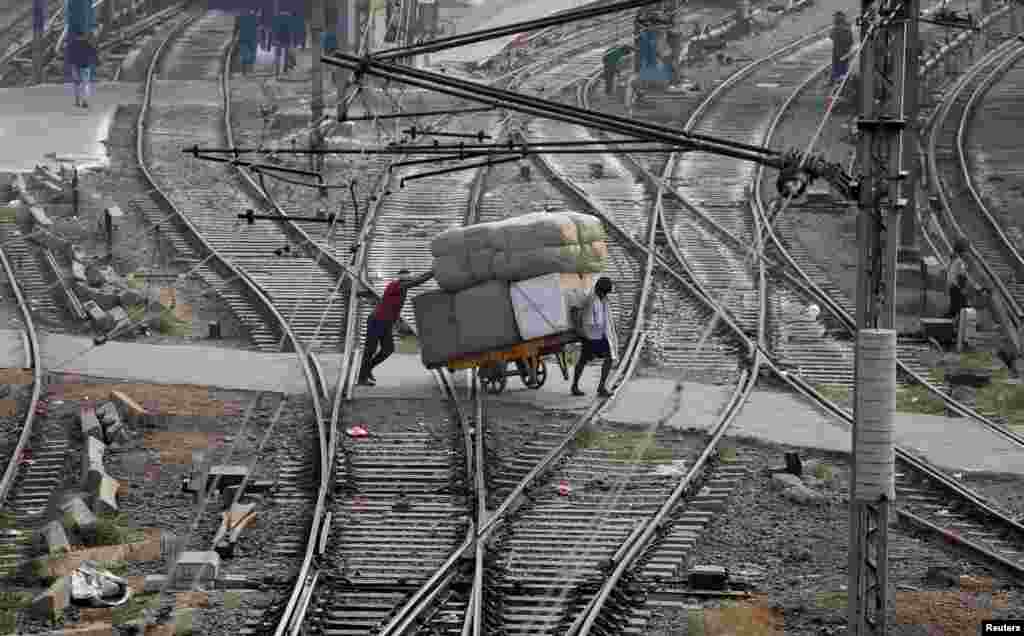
point(695, 622)
point(8, 618)
point(14, 600)
point(832, 600)
point(838, 393)
point(113, 530)
point(170, 325)
point(135, 280)
point(407, 344)
point(917, 399)
point(133, 608)
point(625, 446)
point(6, 520)
point(977, 360)
point(823, 472)
point(1005, 399)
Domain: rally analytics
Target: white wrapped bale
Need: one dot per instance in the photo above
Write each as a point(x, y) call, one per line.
point(485, 318)
point(525, 264)
point(593, 258)
point(588, 228)
point(452, 272)
point(535, 230)
point(471, 238)
point(542, 304)
point(578, 296)
point(436, 326)
point(481, 265)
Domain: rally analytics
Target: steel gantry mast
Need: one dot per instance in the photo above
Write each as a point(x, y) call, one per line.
point(888, 96)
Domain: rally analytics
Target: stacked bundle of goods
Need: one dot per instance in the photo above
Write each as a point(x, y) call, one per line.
point(508, 281)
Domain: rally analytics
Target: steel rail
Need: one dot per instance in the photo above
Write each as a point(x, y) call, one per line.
point(938, 183)
point(34, 359)
point(810, 393)
point(637, 544)
point(307, 576)
point(1016, 259)
point(585, 621)
point(801, 280)
point(443, 576)
point(816, 293)
point(238, 273)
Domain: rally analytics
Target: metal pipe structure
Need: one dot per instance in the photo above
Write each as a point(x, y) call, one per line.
point(433, 113)
point(395, 148)
point(482, 35)
point(550, 109)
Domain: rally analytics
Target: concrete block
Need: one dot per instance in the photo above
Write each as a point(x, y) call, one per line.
point(100, 319)
point(103, 489)
point(95, 275)
point(54, 537)
point(196, 567)
point(89, 423)
point(92, 457)
point(39, 218)
point(133, 414)
point(54, 600)
point(78, 515)
point(78, 272)
point(118, 314)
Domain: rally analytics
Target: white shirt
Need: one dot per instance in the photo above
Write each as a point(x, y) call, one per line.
point(595, 318)
point(957, 268)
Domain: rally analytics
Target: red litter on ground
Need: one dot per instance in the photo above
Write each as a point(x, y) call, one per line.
point(357, 431)
point(564, 489)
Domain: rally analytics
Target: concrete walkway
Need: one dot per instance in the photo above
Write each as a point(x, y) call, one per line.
point(770, 415)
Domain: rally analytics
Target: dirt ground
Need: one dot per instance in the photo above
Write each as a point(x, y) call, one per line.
point(802, 555)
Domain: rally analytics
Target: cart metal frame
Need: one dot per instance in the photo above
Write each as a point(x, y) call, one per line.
point(528, 357)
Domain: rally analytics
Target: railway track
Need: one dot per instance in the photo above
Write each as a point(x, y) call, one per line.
point(506, 595)
point(990, 157)
point(26, 486)
point(928, 498)
point(966, 211)
point(260, 289)
point(929, 491)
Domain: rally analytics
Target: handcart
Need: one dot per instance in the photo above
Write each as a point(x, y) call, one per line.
point(528, 357)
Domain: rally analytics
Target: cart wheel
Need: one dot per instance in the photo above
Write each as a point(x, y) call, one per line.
point(493, 379)
point(542, 375)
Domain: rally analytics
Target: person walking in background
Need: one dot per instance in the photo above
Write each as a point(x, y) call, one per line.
point(842, 44)
point(956, 279)
point(80, 48)
point(381, 324)
point(612, 62)
point(248, 38)
point(595, 324)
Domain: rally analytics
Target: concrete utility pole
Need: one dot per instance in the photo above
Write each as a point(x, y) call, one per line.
point(888, 94)
point(38, 27)
point(316, 25)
